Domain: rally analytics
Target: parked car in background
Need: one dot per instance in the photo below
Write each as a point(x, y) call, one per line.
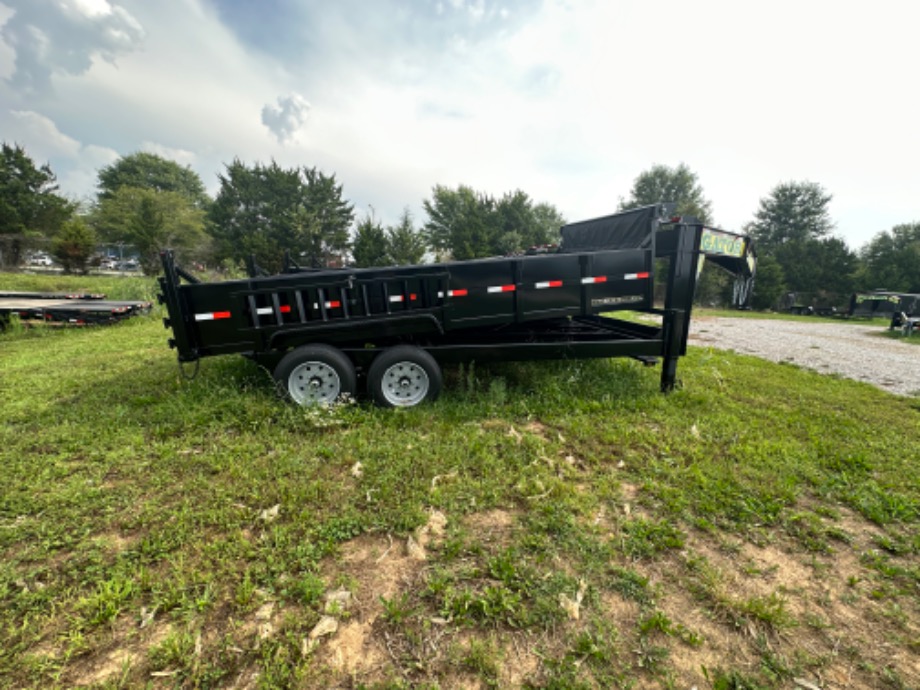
point(40, 259)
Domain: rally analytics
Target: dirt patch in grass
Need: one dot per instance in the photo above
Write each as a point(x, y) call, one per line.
point(128, 648)
point(378, 569)
point(491, 527)
point(805, 614)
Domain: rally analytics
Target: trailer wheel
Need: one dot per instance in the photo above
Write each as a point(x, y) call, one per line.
point(403, 376)
point(316, 375)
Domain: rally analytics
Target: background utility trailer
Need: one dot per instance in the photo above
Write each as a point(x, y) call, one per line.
point(316, 329)
point(898, 306)
point(67, 308)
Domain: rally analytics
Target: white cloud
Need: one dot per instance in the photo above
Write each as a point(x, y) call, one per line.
point(75, 164)
point(66, 37)
point(181, 156)
point(42, 137)
point(283, 120)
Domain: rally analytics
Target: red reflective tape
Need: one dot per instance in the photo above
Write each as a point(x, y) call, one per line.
point(502, 288)
point(636, 276)
point(285, 309)
point(457, 293)
point(333, 305)
point(413, 297)
point(211, 316)
point(548, 284)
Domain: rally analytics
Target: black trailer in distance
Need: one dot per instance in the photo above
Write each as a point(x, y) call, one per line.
point(316, 329)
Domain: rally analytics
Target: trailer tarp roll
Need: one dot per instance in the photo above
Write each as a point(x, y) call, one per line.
point(627, 230)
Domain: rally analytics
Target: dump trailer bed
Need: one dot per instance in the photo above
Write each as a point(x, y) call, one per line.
point(68, 308)
point(514, 308)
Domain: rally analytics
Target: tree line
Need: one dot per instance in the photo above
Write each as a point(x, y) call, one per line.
point(263, 210)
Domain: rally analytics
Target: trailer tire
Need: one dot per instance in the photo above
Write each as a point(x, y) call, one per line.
point(404, 376)
point(316, 375)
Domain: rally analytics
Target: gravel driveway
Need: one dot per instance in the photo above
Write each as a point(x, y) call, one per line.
point(851, 350)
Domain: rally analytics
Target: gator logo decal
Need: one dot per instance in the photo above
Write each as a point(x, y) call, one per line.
point(714, 242)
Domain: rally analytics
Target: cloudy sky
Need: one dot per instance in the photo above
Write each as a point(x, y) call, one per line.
point(568, 100)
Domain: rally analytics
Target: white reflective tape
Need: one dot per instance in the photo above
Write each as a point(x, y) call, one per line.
point(440, 294)
point(501, 288)
point(548, 284)
point(397, 298)
point(264, 310)
point(594, 279)
point(211, 316)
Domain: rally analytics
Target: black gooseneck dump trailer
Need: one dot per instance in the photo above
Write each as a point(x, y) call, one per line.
point(316, 329)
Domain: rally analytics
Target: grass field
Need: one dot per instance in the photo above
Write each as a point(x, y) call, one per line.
point(554, 525)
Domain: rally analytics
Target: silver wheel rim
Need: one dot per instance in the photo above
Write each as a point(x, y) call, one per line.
point(314, 383)
point(405, 384)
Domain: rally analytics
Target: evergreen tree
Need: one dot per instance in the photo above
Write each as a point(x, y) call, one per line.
point(793, 225)
point(405, 245)
point(74, 245)
point(30, 206)
point(370, 244)
point(264, 210)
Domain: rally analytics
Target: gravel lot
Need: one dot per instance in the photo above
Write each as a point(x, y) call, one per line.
point(851, 350)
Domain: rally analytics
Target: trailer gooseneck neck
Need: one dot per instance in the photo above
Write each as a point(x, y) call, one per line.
point(317, 328)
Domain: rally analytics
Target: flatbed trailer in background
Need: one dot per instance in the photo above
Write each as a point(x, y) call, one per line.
point(316, 329)
point(73, 309)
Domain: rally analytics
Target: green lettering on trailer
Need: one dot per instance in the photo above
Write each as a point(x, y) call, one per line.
point(894, 299)
point(714, 242)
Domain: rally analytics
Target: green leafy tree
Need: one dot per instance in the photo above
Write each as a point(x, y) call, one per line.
point(405, 244)
point(770, 284)
point(524, 224)
point(152, 220)
point(30, 206)
point(370, 244)
point(793, 225)
point(465, 224)
point(892, 260)
point(144, 170)
point(679, 185)
point(547, 221)
point(460, 223)
point(794, 212)
point(264, 210)
point(74, 245)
